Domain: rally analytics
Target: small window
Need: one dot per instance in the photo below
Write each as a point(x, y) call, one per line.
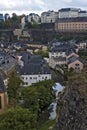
point(30, 77)
point(34, 77)
point(76, 64)
point(25, 83)
point(46, 77)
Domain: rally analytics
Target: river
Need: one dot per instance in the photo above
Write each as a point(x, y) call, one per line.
point(58, 88)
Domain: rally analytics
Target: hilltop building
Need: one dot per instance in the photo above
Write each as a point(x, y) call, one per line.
point(33, 18)
point(68, 12)
point(49, 17)
point(78, 24)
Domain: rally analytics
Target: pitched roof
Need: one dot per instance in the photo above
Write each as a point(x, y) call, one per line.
point(34, 69)
point(2, 86)
point(74, 19)
point(73, 59)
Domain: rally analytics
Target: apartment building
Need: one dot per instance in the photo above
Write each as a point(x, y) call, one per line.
point(82, 13)
point(78, 24)
point(68, 12)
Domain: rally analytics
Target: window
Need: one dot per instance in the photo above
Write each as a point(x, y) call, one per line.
point(46, 77)
point(34, 77)
point(76, 64)
point(30, 77)
point(26, 78)
point(22, 77)
point(26, 83)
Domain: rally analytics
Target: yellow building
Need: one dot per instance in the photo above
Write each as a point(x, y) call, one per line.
point(3, 95)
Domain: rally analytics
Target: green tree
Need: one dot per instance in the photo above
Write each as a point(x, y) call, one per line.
point(35, 25)
point(38, 96)
point(30, 97)
point(7, 23)
point(14, 82)
point(18, 119)
point(46, 93)
point(15, 18)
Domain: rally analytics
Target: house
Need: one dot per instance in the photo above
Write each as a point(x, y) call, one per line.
point(33, 73)
point(61, 61)
point(82, 45)
point(59, 51)
point(3, 94)
point(70, 54)
point(8, 64)
point(75, 63)
point(59, 55)
point(33, 69)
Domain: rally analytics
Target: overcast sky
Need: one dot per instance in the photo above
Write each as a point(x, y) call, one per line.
point(38, 6)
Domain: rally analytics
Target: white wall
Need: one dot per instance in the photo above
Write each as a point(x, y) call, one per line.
point(68, 14)
point(30, 79)
point(57, 54)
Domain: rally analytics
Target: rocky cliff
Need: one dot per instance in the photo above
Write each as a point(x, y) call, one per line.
point(72, 104)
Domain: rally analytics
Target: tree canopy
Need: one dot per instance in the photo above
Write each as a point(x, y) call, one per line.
point(14, 82)
point(18, 119)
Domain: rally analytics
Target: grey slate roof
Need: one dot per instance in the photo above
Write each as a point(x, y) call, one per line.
point(74, 58)
point(76, 19)
point(68, 9)
point(33, 64)
point(2, 86)
point(63, 48)
point(34, 69)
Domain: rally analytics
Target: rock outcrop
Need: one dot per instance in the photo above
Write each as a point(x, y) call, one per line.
point(72, 105)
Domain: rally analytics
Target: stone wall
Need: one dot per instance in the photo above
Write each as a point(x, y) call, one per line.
point(72, 105)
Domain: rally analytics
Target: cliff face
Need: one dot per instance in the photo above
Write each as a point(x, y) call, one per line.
point(72, 105)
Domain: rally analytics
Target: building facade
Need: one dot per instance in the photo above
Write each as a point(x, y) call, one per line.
point(33, 69)
point(1, 17)
point(3, 95)
point(49, 17)
point(76, 64)
point(33, 18)
point(82, 14)
point(68, 12)
point(71, 25)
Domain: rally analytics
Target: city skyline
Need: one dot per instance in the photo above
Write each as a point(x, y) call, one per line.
point(38, 6)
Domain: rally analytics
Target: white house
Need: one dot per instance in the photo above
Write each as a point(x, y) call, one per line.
point(33, 69)
point(49, 17)
point(34, 73)
point(59, 51)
